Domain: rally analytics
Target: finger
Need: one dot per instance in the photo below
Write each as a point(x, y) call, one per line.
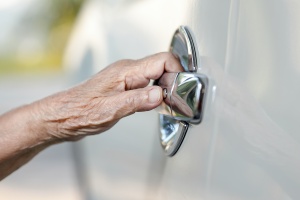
point(151, 67)
point(137, 100)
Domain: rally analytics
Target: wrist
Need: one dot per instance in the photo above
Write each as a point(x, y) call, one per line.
point(42, 120)
point(53, 113)
point(36, 126)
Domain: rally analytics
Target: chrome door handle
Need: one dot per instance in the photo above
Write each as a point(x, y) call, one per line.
point(184, 95)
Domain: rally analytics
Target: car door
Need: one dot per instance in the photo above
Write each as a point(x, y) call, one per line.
point(247, 144)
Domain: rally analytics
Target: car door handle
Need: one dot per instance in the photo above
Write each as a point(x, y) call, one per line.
point(184, 95)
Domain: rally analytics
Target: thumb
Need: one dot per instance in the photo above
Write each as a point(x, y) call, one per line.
point(137, 100)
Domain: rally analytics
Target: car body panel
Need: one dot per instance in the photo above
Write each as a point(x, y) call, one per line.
point(247, 145)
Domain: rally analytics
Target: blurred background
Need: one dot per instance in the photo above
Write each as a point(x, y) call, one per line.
point(34, 34)
point(33, 37)
point(47, 46)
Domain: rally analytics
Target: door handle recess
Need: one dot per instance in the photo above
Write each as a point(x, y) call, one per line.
point(184, 95)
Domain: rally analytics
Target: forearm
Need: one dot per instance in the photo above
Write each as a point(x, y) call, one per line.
point(22, 135)
point(13, 163)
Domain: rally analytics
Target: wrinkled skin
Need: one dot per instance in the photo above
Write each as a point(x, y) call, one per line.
point(90, 108)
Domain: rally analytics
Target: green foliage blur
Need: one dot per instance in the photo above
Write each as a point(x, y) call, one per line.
point(39, 39)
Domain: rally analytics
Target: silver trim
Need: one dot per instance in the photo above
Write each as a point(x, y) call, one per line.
point(186, 100)
point(183, 47)
point(172, 133)
point(172, 130)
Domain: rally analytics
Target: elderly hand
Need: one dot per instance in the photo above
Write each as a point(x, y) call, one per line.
point(97, 104)
point(89, 108)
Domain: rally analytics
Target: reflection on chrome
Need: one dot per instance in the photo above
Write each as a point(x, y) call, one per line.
point(172, 133)
point(185, 98)
point(183, 47)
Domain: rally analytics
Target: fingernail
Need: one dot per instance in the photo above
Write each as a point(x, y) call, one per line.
point(154, 95)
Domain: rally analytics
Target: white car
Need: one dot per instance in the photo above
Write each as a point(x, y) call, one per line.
point(247, 145)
